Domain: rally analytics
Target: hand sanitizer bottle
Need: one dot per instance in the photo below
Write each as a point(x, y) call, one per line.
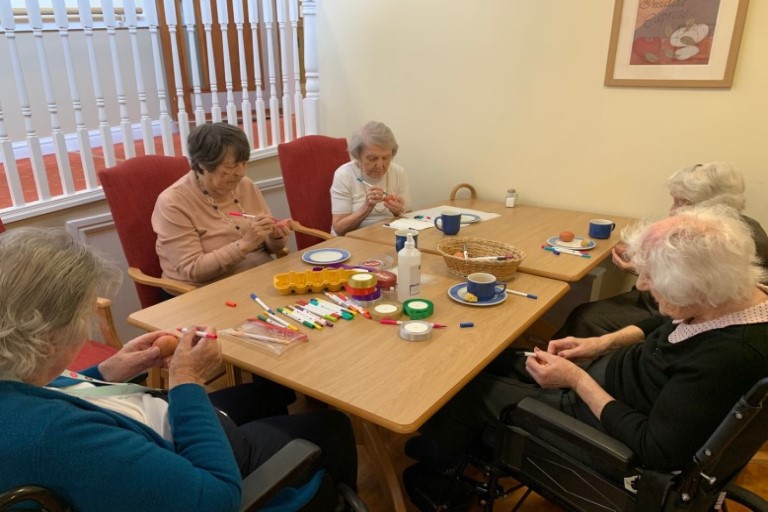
point(408, 270)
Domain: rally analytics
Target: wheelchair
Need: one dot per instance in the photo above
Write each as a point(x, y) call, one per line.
point(582, 469)
point(270, 488)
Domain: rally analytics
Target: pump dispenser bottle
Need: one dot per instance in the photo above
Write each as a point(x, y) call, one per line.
point(408, 270)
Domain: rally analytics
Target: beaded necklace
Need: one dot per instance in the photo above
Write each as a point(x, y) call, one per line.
point(216, 207)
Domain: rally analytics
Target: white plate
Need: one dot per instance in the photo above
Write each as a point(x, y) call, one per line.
point(469, 218)
point(457, 292)
point(325, 256)
point(573, 244)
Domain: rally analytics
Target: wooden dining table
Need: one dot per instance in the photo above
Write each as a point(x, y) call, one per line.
point(361, 366)
point(524, 227)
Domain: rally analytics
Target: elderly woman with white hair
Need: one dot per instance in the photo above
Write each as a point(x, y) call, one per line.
point(119, 447)
point(371, 187)
point(716, 183)
point(660, 386)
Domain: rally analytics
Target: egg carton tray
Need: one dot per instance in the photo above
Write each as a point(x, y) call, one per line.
point(313, 281)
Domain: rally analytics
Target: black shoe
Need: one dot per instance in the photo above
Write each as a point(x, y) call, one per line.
point(431, 491)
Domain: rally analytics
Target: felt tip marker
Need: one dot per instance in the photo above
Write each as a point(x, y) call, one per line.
point(200, 334)
point(400, 322)
point(245, 215)
point(260, 302)
point(280, 321)
point(521, 294)
point(558, 250)
point(291, 314)
point(361, 180)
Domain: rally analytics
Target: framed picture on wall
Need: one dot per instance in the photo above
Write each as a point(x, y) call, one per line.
point(675, 43)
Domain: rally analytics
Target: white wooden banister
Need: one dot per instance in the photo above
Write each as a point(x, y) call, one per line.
point(84, 81)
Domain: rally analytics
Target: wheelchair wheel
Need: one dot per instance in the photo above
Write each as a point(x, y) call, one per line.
point(737, 498)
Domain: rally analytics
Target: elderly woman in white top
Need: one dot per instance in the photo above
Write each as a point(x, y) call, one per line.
point(371, 187)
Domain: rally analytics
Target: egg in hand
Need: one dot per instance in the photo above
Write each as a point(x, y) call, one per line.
point(167, 344)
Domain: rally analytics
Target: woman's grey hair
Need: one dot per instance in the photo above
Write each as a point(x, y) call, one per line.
point(209, 144)
point(49, 287)
point(709, 184)
point(699, 255)
point(372, 133)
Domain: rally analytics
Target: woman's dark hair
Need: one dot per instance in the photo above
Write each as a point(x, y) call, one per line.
point(209, 144)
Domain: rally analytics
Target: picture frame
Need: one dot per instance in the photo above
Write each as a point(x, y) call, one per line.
point(675, 43)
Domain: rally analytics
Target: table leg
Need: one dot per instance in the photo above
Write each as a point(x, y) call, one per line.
point(382, 464)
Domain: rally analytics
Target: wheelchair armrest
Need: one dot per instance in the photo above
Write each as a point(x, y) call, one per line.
point(588, 445)
point(283, 469)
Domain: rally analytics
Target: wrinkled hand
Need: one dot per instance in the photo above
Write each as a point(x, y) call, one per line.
point(576, 348)
point(255, 232)
point(621, 259)
point(135, 357)
point(552, 371)
point(281, 229)
point(394, 204)
point(196, 359)
point(373, 196)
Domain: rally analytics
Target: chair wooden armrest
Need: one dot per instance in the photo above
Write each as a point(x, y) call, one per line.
point(297, 226)
point(455, 190)
point(107, 323)
point(159, 282)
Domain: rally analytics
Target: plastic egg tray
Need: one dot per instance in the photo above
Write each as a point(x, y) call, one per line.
point(313, 281)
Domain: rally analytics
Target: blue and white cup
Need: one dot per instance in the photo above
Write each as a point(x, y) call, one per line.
point(484, 286)
point(449, 222)
point(601, 228)
point(401, 236)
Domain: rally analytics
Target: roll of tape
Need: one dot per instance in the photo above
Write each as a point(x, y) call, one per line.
point(359, 292)
point(415, 330)
point(386, 311)
point(366, 300)
point(417, 309)
point(385, 279)
point(362, 280)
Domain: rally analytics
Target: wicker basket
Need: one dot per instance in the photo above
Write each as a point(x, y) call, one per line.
point(478, 247)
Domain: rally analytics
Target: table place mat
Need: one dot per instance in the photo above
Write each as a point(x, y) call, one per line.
point(433, 213)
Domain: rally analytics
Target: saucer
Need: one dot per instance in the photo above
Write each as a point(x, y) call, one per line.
point(469, 218)
point(457, 292)
point(574, 244)
point(325, 256)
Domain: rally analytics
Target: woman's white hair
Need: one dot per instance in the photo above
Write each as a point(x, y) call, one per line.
point(49, 286)
point(709, 184)
point(699, 255)
point(373, 133)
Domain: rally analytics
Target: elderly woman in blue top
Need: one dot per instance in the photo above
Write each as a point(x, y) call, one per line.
point(371, 187)
point(134, 451)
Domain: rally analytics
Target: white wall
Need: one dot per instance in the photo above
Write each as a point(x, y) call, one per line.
point(509, 93)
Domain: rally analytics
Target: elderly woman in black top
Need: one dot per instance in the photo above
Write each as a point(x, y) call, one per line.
point(660, 386)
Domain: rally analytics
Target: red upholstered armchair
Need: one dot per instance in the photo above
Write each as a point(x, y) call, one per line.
point(131, 188)
point(307, 165)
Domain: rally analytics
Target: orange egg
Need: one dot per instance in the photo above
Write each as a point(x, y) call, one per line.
point(459, 254)
point(566, 236)
point(167, 344)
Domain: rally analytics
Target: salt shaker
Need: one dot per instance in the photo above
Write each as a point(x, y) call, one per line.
point(511, 198)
